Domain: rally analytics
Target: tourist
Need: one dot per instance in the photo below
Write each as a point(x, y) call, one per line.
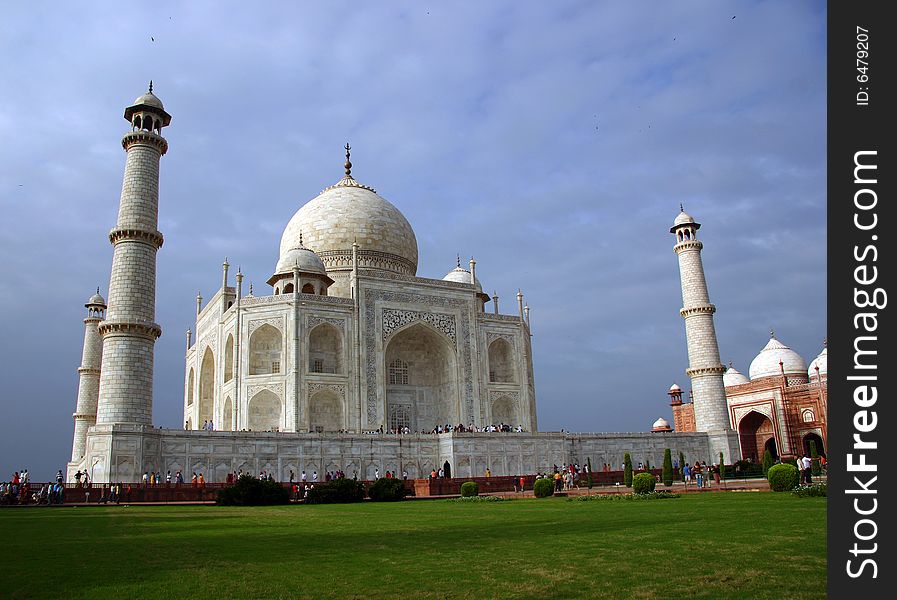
point(168, 479)
point(404, 474)
point(194, 479)
point(179, 478)
point(377, 473)
point(488, 472)
point(202, 481)
point(78, 478)
point(522, 483)
point(292, 476)
point(303, 477)
point(807, 465)
point(59, 477)
point(699, 476)
point(687, 472)
point(314, 475)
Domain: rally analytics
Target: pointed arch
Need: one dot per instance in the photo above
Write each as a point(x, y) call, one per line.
point(227, 415)
point(504, 410)
point(265, 346)
point(206, 386)
point(502, 368)
point(308, 288)
point(755, 431)
point(191, 383)
point(325, 411)
point(229, 358)
point(265, 411)
point(325, 349)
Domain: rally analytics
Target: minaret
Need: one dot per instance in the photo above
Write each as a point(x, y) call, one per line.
point(704, 366)
point(88, 375)
point(129, 331)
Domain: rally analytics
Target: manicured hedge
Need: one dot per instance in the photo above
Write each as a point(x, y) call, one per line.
point(387, 489)
point(469, 488)
point(643, 483)
point(782, 477)
point(543, 487)
point(249, 491)
point(338, 491)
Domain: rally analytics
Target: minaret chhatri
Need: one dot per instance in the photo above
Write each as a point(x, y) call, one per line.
point(129, 332)
point(704, 366)
point(88, 375)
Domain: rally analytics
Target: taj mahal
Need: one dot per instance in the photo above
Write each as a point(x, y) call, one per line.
point(349, 360)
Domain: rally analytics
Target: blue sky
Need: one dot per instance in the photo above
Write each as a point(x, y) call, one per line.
point(552, 141)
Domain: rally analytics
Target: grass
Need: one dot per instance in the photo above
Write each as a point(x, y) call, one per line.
point(747, 545)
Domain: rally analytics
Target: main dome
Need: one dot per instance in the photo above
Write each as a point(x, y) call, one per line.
point(349, 212)
point(766, 364)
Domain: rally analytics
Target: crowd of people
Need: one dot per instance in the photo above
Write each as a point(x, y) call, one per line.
point(446, 428)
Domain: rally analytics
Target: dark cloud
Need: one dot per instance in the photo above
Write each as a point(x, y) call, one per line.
point(478, 122)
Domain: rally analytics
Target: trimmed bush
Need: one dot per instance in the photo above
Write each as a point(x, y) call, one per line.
point(627, 470)
point(589, 481)
point(387, 489)
point(783, 477)
point(470, 499)
point(470, 489)
point(249, 491)
point(767, 462)
point(338, 491)
point(682, 466)
point(667, 468)
point(643, 483)
point(543, 487)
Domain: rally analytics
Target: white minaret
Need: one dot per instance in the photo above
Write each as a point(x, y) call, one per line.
point(129, 332)
point(88, 375)
point(704, 366)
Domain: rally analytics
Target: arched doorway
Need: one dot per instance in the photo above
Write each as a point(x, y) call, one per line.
point(757, 435)
point(814, 437)
point(421, 380)
point(501, 362)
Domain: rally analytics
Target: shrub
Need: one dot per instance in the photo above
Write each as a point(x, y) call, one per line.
point(767, 461)
point(469, 489)
point(782, 478)
point(387, 489)
point(470, 499)
point(643, 483)
point(543, 487)
point(810, 491)
point(667, 468)
point(627, 470)
point(249, 491)
point(338, 491)
point(661, 495)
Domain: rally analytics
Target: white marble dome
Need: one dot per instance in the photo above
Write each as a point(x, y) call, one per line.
point(461, 275)
point(820, 361)
point(149, 99)
point(96, 300)
point(661, 424)
point(733, 376)
point(675, 388)
point(766, 364)
point(308, 261)
point(348, 212)
point(683, 218)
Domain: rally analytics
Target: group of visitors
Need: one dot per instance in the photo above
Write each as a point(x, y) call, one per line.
point(701, 473)
point(447, 428)
point(153, 478)
point(208, 425)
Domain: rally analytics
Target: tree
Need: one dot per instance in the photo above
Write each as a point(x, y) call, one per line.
point(627, 470)
point(682, 466)
point(589, 480)
point(767, 461)
point(722, 467)
point(667, 468)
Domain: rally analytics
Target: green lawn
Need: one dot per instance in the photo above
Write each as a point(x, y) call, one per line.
point(721, 545)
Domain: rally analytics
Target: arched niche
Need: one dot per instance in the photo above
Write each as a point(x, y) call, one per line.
point(504, 410)
point(206, 387)
point(265, 412)
point(191, 383)
point(325, 349)
point(325, 412)
point(755, 431)
point(501, 362)
point(229, 358)
point(265, 346)
point(227, 415)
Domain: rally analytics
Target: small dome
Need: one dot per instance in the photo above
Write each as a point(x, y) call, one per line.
point(733, 376)
point(675, 388)
point(149, 99)
point(820, 361)
point(461, 275)
point(661, 424)
point(96, 300)
point(308, 261)
point(683, 218)
point(766, 364)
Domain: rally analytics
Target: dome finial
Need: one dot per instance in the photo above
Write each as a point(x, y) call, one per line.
point(458, 262)
point(772, 333)
point(730, 364)
point(681, 208)
point(301, 243)
point(348, 164)
point(151, 86)
point(824, 342)
point(98, 291)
